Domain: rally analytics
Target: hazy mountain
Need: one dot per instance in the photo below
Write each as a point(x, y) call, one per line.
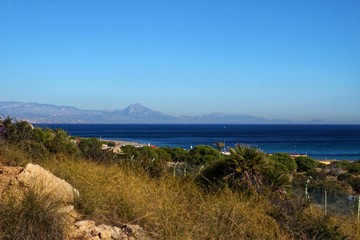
point(135, 113)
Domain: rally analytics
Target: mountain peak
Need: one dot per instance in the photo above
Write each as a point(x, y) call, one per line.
point(136, 108)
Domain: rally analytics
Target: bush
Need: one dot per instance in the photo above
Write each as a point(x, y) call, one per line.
point(212, 176)
point(91, 149)
point(204, 154)
point(315, 226)
point(305, 164)
point(178, 154)
point(354, 167)
point(285, 160)
point(355, 184)
point(130, 152)
point(345, 177)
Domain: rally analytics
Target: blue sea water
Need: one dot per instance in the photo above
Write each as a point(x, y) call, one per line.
point(318, 141)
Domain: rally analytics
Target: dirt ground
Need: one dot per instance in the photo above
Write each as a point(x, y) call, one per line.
point(6, 174)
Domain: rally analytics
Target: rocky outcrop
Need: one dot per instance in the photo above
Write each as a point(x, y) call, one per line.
point(17, 180)
point(57, 189)
point(87, 229)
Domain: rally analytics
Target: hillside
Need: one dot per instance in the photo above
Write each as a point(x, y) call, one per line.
point(170, 192)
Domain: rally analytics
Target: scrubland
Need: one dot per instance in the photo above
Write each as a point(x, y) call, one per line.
point(244, 196)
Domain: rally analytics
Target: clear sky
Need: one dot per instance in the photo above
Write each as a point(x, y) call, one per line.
point(291, 59)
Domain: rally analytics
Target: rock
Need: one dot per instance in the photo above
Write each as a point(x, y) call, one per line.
point(104, 231)
point(135, 232)
point(117, 233)
point(87, 229)
point(57, 189)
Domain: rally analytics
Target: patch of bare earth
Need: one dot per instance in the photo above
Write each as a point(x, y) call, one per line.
point(6, 176)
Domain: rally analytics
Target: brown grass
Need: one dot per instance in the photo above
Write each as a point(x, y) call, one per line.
point(168, 208)
point(31, 217)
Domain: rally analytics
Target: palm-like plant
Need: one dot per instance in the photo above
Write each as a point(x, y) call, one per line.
point(246, 162)
point(277, 178)
point(219, 145)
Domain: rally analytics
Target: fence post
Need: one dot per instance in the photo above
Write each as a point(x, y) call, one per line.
point(358, 213)
point(325, 207)
point(175, 168)
point(306, 190)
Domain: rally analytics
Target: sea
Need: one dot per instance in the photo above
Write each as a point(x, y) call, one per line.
point(323, 142)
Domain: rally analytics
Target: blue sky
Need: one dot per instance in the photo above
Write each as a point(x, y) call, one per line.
point(296, 60)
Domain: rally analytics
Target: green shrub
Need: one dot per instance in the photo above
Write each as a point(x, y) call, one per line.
point(178, 154)
point(200, 155)
point(91, 149)
point(285, 160)
point(305, 164)
point(130, 152)
point(212, 176)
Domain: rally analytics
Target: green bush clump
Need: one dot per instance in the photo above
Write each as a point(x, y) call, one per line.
point(201, 155)
point(286, 160)
point(178, 154)
point(305, 164)
point(91, 149)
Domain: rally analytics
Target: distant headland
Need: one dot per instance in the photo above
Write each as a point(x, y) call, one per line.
point(134, 113)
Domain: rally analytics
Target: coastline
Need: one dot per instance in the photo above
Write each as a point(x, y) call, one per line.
point(318, 142)
point(120, 143)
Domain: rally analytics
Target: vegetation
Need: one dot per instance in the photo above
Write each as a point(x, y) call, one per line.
point(31, 217)
point(305, 164)
point(201, 155)
point(247, 195)
point(285, 160)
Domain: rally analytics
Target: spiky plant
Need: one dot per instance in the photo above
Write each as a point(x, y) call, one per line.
point(246, 163)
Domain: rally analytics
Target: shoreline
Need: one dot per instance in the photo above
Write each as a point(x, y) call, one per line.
point(120, 143)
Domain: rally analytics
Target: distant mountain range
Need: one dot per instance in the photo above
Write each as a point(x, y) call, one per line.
point(134, 113)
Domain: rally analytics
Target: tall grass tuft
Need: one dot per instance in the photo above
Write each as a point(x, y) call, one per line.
point(30, 216)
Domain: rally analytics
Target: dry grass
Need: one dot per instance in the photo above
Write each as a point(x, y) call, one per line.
point(168, 208)
point(31, 216)
point(10, 156)
point(173, 208)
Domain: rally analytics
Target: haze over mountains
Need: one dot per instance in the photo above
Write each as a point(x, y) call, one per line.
point(134, 113)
